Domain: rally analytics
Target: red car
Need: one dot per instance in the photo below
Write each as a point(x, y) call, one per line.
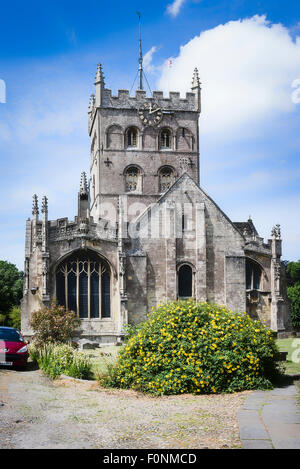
point(13, 348)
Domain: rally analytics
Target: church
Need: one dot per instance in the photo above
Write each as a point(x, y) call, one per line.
point(146, 232)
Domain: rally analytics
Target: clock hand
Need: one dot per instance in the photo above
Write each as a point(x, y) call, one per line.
point(155, 110)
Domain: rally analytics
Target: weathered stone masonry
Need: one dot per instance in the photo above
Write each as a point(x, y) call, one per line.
point(145, 231)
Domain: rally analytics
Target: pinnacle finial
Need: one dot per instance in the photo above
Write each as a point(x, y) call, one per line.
point(92, 102)
point(83, 184)
point(99, 78)
point(276, 232)
point(35, 206)
point(44, 204)
point(196, 81)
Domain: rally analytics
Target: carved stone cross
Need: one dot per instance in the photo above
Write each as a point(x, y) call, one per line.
point(107, 162)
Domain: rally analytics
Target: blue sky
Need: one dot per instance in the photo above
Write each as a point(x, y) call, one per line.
point(248, 57)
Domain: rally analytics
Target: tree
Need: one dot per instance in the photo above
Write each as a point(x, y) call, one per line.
point(54, 324)
point(293, 290)
point(293, 271)
point(294, 297)
point(11, 289)
point(15, 317)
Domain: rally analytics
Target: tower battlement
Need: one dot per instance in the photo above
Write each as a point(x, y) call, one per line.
point(173, 101)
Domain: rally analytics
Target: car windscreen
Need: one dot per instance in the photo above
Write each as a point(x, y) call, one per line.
point(10, 335)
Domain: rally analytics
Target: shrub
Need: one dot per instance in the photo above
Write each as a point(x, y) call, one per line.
point(61, 358)
point(15, 317)
point(53, 323)
point(188, 347)
point(294, 297)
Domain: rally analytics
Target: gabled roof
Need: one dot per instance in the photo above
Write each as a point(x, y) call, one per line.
point(177, 184)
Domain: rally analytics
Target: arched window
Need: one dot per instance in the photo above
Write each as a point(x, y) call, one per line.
point(132, 137)
point(184, 139)
point(253, 275)
point(114, 137)
point(83, 285)
point(185, 281)
point(133, 179)
point(166, 178)
point(165, 139)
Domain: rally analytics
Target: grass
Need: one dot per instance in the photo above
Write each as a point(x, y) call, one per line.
point(286, 345)
point(102, 358)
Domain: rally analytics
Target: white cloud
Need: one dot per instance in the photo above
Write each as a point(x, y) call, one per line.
point(148, 59)
point(247, 68)
point(38, 122)
point(174, 8)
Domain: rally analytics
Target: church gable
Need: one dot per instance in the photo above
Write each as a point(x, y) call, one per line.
point(183, 197)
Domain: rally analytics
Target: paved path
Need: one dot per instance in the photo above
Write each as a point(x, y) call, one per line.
point(271, 419)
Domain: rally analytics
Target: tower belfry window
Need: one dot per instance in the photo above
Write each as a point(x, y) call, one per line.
point(132, 137)
point(165, 139)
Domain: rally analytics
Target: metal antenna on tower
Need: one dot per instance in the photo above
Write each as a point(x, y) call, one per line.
point(140, 55)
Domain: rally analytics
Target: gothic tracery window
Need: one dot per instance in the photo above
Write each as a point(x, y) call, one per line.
point(166, 178)
point(83, 285)
point(165, 139)
point(132, 179)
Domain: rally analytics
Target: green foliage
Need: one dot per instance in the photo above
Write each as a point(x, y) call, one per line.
point(11, 289)
point(188, 347)
point(293, 291)
point(53, 323)
point(130, 330)
point(294, 297)
point(293, 271)
point(15, 317)
point(55, 359)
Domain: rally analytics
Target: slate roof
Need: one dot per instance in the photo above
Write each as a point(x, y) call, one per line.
point(247, 226)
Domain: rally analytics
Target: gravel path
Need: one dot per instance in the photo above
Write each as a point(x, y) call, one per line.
point(36, 412)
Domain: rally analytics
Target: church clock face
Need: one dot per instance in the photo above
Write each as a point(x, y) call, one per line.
point(150, 114)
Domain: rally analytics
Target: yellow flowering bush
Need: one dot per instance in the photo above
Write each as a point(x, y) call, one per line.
point(189, 347)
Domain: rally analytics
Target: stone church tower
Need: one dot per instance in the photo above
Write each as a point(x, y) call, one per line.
point(145, 231)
